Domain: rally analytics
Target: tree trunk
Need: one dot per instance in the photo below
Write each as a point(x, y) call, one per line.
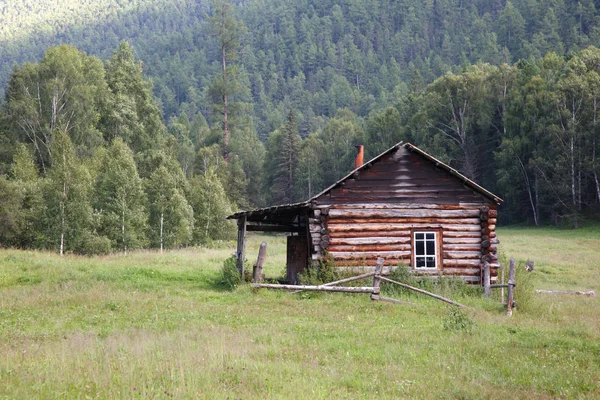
point(225, 105)
point(528, 184)
point(123, 228)
point(62, 219)
point(162, 215)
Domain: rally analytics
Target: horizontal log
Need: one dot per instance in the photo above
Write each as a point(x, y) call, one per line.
point(460, 247)
point(321, 288)
point(407, 220)
point(367, 264)
point(399, 213)
point(460, 263)
point(461, 240)
point(492, 221)
point(462, 255)
point(362, 255)
point(370, 247)
point(389, 300)
point(583, 293)
point(396, 226)
point(370, 240)
point(314, 228)
point(493, 213)
point(407, 206)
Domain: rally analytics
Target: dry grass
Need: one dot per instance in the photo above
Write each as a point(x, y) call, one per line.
point(153, 325)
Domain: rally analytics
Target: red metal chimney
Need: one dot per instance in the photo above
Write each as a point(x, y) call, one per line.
point(360, 155)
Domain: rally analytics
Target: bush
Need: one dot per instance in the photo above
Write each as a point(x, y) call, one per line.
point(230, 276)
point(93, 245)
point(457, 320)
point(325, 271)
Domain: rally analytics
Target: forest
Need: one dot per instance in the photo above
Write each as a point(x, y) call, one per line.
point(135, 124)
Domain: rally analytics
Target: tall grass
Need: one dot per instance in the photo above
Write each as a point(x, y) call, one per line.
point(153, 325)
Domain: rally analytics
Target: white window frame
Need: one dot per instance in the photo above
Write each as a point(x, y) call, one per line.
point(436, 247)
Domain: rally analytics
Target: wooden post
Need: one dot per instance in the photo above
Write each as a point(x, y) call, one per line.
point(377, 278)
point(258, 266)
point(511, 287)
point(502, 281)
point(241, 245)
point(486, 279)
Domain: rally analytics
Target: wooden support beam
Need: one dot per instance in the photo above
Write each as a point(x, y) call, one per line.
point(575, 292)
point(345, 280)
point(486, 279)
point(435, 296)
point(377, 275)
point(241, 245)
point(273, 228)
point(258, 266)
point(511, 286)
point(321, 288)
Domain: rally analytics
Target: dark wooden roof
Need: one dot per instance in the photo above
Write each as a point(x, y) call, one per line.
point(287, 211)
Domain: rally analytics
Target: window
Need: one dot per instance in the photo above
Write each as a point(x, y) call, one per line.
point(425, 253)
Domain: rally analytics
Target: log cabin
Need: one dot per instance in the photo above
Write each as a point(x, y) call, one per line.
point(403, 205)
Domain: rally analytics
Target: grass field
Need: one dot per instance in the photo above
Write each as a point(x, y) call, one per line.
point(153, 325)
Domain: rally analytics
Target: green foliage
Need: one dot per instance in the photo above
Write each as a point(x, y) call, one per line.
point(447, 286)
point(324, 271)
point(457, 320)
point(230, 276)
point(211, 206)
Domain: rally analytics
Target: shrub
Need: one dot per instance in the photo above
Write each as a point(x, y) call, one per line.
point(457, 320)
point(230, 276)
point(325, 271)
point(93, 245)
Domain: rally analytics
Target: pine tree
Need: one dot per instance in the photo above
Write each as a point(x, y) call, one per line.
point(228, 32)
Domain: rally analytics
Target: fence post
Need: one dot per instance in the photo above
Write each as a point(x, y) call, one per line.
point(511, 287)
point(377, 279)
point(486, 279)
point(258, 266)
point(502, 282)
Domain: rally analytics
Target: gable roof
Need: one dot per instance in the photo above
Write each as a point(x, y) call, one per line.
point(305, 204)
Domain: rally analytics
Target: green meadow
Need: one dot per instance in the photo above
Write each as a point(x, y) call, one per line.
point(161, 326)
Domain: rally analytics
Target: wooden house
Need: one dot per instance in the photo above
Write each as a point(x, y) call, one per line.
point(403, 205)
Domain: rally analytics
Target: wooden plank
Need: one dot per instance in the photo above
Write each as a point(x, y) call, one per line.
point(322, 288)
point(460, 247)
point(274, 228)
point(435, 296)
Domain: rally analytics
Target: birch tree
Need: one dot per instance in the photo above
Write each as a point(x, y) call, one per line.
point(120, 199)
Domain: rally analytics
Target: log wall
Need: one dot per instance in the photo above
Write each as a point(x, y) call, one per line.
point(374, 214)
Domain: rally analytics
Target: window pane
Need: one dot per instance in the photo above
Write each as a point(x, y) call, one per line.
point(430, 247)
point(430, 262)
point(430, 236)
point(420, 262)
point(420, 248)
point(419, 236)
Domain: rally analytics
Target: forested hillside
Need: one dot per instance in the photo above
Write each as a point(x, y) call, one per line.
point(109, 145)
